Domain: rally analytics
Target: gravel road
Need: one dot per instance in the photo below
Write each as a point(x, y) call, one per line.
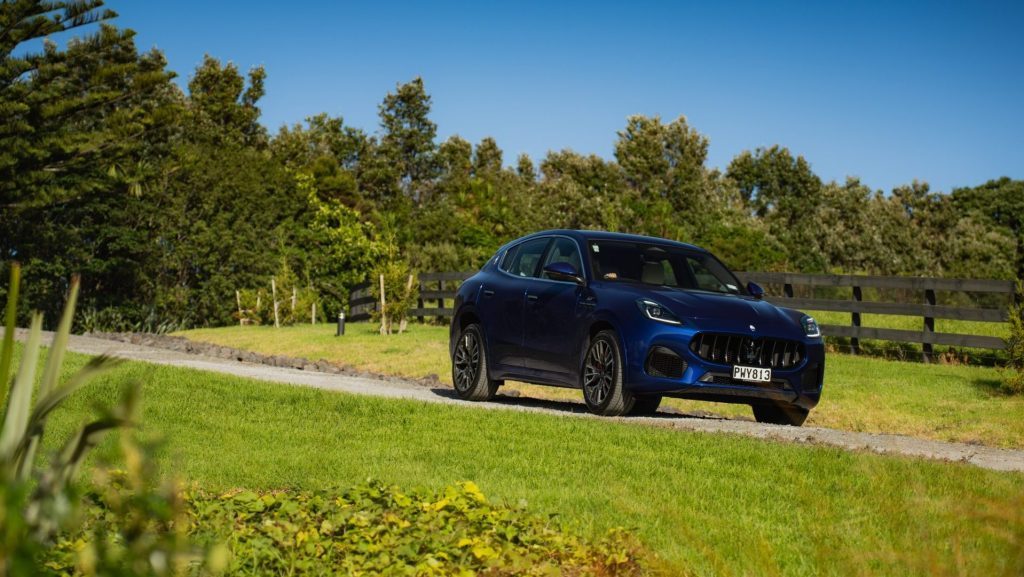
point(986, 457)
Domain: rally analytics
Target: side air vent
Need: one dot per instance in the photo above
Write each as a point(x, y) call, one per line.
point(662, 362)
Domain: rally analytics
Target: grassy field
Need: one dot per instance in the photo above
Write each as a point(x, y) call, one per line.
point(944, 402)
point(704, 504)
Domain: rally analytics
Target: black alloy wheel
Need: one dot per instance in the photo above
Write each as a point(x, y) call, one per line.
point(469, 367)
point(602, 378)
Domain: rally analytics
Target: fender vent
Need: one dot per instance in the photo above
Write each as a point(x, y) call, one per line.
point(662, 362)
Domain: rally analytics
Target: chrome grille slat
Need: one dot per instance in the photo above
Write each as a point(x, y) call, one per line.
point(728, 348)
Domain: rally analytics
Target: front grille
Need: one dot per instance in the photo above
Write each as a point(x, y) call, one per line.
point(662, 362)
point(743, 350)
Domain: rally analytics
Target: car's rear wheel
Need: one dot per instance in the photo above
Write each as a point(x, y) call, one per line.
point(602, 379)
point(780, 414)
point(645, 405)
point(469, 367)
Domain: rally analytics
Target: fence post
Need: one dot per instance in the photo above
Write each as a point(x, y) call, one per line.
point(440, 301)
point(419, 302)
point(929, 327)
point(855, 319)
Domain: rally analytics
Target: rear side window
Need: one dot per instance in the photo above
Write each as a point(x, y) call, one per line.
point(524, 259)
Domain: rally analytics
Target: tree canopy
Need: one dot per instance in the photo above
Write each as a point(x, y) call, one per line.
point(167, 201)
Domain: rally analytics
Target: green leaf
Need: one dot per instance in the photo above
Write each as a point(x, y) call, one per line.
point(19, 403)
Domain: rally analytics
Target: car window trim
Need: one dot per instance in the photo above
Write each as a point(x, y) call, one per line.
point(543, 255)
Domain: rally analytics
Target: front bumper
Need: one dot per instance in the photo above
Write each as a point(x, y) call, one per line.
point(702, 379)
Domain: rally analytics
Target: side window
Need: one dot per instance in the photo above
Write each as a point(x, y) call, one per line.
point(510, 254)
point(525, 260)
point(564, 250)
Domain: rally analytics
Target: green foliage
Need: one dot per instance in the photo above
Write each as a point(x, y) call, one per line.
point(167, 202)
point(401, 292)
point(132, 525)
point(1013, 379)
point(380, 529)
point(37, 503)
point(294, 301)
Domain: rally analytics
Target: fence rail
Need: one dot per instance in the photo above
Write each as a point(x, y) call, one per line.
point(437, 290)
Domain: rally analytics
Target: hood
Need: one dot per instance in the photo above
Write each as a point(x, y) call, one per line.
point(714, 311)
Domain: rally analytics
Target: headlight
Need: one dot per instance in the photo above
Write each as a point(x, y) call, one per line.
point(810, 326)
point(656, 312)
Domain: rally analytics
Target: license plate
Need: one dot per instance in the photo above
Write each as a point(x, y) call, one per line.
point(753, 374)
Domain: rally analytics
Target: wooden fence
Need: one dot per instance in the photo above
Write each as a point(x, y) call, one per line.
point(437, 290)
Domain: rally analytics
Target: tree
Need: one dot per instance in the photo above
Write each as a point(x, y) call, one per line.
point(999, 203)
point(487, 158)
point(224, 107)
point(664, 164)
point(456, 159)
point(785, 192)
point(69, 118)
point(525, 169)
point(408, 137)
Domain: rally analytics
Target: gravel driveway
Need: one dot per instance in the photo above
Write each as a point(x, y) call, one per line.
point(986, 457)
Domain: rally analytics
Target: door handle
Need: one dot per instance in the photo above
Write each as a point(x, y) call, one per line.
point(488, 293)
point(531, 298)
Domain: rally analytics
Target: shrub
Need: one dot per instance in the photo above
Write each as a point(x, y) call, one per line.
point(401, 293)
point(1013, 378)
point(377, 529)
point(38, 506)
point(294, 302)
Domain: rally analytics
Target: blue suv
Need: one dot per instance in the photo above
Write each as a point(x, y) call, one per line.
point(630, 320)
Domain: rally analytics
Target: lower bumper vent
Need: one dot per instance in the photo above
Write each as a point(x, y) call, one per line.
point(662, 362)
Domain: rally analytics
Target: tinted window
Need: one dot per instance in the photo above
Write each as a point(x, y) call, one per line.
point(660, 266)
point(525, 258)
point(564, 250)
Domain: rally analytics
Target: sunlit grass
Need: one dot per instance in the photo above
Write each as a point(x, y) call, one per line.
point(944, 402)
point(707, 504)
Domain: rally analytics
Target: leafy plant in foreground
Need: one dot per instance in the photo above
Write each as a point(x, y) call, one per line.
point(1013, 380)
point(38, 504)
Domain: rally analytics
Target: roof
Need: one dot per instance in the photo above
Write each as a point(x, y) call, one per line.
point(605, 235)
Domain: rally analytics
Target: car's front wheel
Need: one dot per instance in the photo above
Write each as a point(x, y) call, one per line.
point(780, 414)
point(469, 367)
point(603, 388)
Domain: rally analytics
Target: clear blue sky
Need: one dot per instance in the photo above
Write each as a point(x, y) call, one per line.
point(887, 91)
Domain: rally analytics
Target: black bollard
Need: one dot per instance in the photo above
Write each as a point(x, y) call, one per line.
point(341, 324)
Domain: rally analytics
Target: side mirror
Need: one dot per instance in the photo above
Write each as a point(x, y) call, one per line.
point(755, 290)
point(564, 271)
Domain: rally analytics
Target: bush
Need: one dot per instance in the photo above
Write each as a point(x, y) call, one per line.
point(37, 505)
point(1013, 378)
point(401, 292)
point(378, 529)
point(294, 302)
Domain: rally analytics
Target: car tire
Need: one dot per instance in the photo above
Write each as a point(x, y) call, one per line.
point(602, 377)
point(645, 405)
point(469, 367)
point(780, 414)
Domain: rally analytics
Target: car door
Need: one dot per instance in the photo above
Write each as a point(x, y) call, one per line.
point(553, 317)
point(502, 298)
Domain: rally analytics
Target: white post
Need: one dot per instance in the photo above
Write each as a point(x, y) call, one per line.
point(313, 316)
point(384, 328)
point(273, 290)
point(238, 299)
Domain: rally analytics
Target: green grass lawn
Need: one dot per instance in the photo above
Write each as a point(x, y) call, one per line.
point(707, 504)
point(944, 402)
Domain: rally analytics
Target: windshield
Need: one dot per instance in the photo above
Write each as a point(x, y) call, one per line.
point(660, 266)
